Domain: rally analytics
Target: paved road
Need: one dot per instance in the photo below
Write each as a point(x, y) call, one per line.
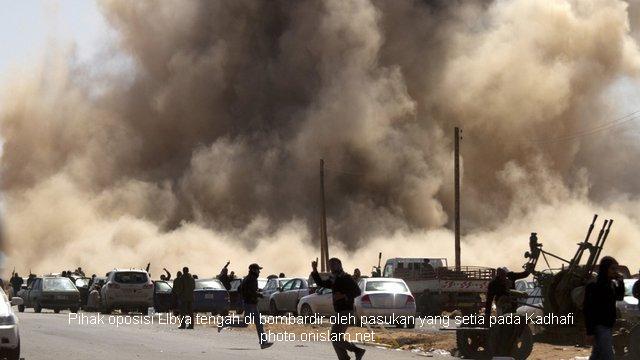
point(50, 336)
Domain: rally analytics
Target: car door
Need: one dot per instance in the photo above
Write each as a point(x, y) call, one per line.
point(35, 292)
point(269, 288)
point(161, 296)
point(281, 296)
point(24, 294)
point(324, 302)
point(292, 296)
point(303, 291)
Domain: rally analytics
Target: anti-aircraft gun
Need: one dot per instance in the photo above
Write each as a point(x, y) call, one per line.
point(563, 290)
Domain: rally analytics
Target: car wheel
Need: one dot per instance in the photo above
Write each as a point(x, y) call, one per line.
point(14, 354)
point(37, 308)
point(273, 308)
point(306, 310)
point(224, 312)
point(21, 308)
point(74, 310)
point(57, 311)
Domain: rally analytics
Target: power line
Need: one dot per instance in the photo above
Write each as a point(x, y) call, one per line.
point(635, 115)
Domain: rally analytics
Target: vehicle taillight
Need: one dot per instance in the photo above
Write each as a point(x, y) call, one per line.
point(365, 300)
point(410, 300)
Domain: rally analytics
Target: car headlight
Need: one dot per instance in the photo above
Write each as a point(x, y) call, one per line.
point(7, 320)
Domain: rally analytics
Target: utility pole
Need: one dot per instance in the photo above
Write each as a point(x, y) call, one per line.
point(456, 175)
point(324, 244)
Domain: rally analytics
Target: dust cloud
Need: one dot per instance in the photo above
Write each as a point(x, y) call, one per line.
point(202, 142)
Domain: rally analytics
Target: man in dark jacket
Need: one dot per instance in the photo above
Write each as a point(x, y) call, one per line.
point(345, 290)
point(250, 294)
point(16, 283)
point(600, 308)
point(499, 288)
point(224, 276)
point(184, 288)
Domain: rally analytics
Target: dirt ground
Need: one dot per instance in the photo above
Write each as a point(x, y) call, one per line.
point(426, 342)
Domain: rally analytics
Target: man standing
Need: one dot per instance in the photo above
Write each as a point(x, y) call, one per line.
point(250, 295)
point(224, 276)
point(600, 308)
point(498, 290)
point(345, 290)
point(184, 289)
point(16, 283)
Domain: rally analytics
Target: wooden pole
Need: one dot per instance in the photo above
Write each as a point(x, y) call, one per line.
point(324, 245)
point(456, 174)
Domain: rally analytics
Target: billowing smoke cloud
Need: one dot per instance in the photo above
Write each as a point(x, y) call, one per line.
point(207, 147)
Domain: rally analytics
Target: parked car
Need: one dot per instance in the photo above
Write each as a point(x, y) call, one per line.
point(385, 297)
point(271, 287)
point(50, 292)
point(127, 290)
point(235, 298)
point(162, 301)
point(628, 306)
point(320, 303)
point(210, 296)
point(287, 297)
point(9, 332)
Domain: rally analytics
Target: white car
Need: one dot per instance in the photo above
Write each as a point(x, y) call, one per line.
point(127, 290)
point(628, 306)
point(320, 302)
point(10, 344)
point(385, 298)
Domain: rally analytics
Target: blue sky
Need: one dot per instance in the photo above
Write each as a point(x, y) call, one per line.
point(27, 25)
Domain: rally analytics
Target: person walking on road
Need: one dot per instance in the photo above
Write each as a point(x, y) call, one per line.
point(184, 287)
point(345, 290)
point(600, 308)
point(250, 294)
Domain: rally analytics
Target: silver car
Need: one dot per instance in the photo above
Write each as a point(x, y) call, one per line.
point(270, 288)
point(628, 306)
point(287, 297)
point(385, 298)
point(127, 290)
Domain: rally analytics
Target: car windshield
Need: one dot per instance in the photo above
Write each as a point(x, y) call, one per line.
point(57, 284)
point(130, 277)
point(387, 286)
point(209, 284)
